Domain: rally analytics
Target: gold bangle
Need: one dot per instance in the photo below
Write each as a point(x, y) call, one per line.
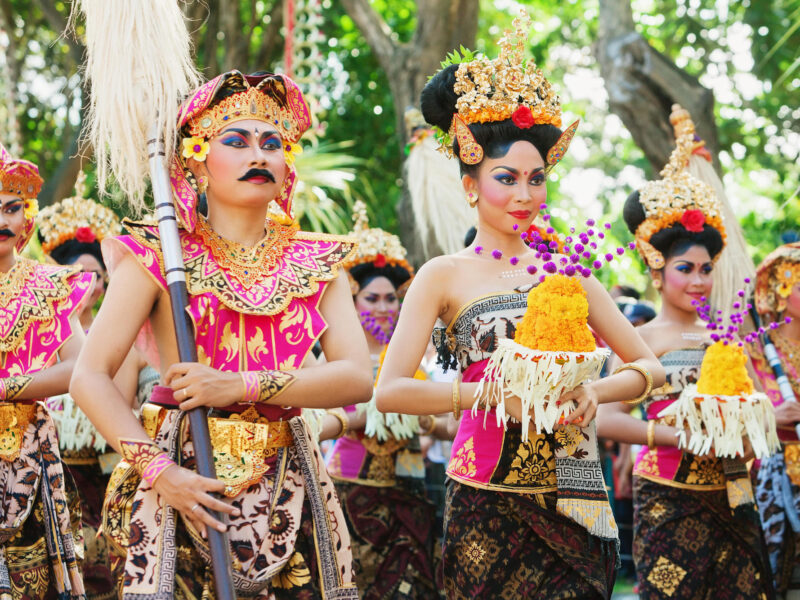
point(651, 434)
point(457, 398)
point(431, 427)
point(343, 420)
point(647, 377)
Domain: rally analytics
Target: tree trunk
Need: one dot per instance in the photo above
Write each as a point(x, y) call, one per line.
point(643, 84)
point(442, 25)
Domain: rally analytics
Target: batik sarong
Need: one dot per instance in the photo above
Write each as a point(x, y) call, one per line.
point(392, 532)
point(505, 545)
point(40, 520)
point(691, 545)
point(290, 540)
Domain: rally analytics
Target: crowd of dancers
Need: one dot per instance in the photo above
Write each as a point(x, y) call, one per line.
point(329, 407)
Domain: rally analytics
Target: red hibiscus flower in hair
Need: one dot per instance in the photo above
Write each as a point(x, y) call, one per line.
point(693, 220)
point(522, 117)
point(85, 235)
point(380, 261)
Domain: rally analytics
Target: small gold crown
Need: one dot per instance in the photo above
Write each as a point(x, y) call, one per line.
point(492, 90)
point(667, 200)
point(60, 222)
point(374, 244)
point(18, 176)
point(249, 104)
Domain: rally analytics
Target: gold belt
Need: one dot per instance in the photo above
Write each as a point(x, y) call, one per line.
point(14, 420)
point(242, 444)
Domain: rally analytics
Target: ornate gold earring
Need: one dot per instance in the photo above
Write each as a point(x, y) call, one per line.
point(657, 284)
point(472, 200)
point(202, 185)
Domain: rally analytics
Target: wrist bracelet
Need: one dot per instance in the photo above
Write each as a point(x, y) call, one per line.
point(12, 387)
point(457, 398)
point(261, 386)
point(651, 434)
point(431, 428)
point(343, 420)
point(647, 377)
point(146, 457)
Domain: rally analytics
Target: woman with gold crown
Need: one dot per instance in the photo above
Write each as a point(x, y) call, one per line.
point(696, 531)
point(376, 462)
point(777, 300)
point(40, 338)
point(527, 514)
point(70, 232)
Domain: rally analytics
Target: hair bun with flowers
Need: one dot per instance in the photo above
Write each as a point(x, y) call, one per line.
point(76, 218)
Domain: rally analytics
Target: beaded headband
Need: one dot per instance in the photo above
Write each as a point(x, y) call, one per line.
point(76, 218)
point(676, 198)
point(507, 87)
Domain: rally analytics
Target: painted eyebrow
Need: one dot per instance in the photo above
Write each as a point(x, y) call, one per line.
point(12, 201)
point(248, 134)
point(688, 262)
point(514, 171)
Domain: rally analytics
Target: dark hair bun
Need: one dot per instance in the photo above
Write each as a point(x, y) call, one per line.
point(438, 100)
point(68, 252)
point(366, 272)
point(675, 239)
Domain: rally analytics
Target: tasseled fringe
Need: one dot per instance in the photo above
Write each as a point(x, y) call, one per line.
point(387, 425)
point(721, 422)
point(75, 430)
point(539, 378)
point(313, 418)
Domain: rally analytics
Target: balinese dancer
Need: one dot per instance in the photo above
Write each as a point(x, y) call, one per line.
point(777, 300)
point(261, 293)
point(70, 232)
point(40, 338)
point(376, 462)
point(514, 526)
point(696, 531)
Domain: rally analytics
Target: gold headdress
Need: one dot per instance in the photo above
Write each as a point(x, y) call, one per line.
point(507, 87)
point(677, 197)
point(375, 246)
point(76, 218)
point(775, 277)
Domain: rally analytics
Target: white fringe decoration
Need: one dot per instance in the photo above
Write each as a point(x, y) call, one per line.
point(538, 378)
point(387, 425)
point(313, 418)
point(438, 200)
point(719, 423)
point(140, 67)
point(75, 430)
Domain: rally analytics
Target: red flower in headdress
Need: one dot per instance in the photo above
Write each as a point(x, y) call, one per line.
point(522, 117)
point(380, 261)
point(85, 235)
point(693, 220)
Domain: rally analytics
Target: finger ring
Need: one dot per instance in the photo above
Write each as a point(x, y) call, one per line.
point(185, 394)
point(196, 505)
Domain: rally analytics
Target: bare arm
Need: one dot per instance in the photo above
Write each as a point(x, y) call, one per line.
point(55, 380)
point(398, 391)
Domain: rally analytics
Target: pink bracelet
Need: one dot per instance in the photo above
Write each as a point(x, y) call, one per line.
point(251, 386)
point(156, 467)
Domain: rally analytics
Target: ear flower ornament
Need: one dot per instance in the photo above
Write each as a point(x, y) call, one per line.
point(195, 147)
point(31, 208)
point(722, 408)
point(290, 152)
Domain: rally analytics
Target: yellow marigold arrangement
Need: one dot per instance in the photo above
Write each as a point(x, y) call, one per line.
point(724, 371)
point(556, 317)
point(718, 413)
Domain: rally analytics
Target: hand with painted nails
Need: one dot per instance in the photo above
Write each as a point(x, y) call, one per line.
point(586, 399)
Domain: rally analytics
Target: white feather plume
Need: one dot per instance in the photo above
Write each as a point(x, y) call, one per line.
point(139, 67)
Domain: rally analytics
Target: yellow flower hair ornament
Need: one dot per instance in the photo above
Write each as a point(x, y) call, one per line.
point(290, 152)
point(195, 147)
point(31, 208)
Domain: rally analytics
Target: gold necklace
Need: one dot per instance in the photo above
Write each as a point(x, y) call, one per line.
point(248, 264)
point(11, 283)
